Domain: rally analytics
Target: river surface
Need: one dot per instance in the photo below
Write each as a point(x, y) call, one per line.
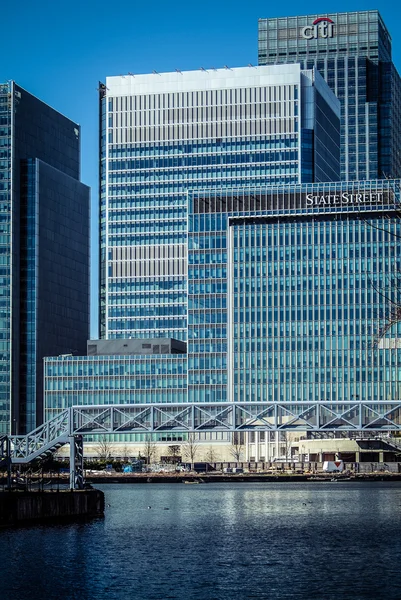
point(217, 541)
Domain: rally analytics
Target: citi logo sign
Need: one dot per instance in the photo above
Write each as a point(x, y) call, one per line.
point(322, 27)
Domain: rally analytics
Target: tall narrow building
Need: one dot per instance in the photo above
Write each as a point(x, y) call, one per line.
point(44, 251)
point(352, 51)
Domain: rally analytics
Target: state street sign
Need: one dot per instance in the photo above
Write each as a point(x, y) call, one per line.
point(322, 27)
point(344, 198)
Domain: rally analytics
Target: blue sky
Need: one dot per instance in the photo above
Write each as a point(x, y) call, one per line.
point(59, 51)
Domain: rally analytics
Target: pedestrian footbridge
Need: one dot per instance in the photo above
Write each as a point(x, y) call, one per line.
point(73, 424)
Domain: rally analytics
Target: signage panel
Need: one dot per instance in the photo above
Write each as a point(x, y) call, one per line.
point(282, 200)
point(323, 27)
point(334, 199)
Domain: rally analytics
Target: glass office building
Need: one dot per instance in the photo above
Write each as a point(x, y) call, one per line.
point(287, 289)
point(352, 51)
point(44, 250)
point(165, 135)
point(218, 228)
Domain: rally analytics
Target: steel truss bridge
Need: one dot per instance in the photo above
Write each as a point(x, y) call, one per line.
point(73, 424)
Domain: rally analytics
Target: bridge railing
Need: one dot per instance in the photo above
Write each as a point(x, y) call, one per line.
point(321, 416)
point(196, 417)
point(25, 448)
point(72, 424)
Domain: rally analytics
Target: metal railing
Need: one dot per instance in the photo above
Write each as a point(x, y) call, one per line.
point(74, 423)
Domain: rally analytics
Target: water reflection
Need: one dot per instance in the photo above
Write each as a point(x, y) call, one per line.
point(216, 541)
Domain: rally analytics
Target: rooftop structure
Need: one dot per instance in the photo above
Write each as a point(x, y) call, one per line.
point(352, 51)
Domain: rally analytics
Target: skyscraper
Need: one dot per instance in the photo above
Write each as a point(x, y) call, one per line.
point(165, 134)
point(352, 51)
point(44, 250)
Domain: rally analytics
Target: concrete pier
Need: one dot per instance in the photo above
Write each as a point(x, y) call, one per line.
point(20, 508)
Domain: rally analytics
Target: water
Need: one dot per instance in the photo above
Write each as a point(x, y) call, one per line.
point(216, 542)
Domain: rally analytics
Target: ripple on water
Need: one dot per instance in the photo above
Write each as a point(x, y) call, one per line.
point(216, 542)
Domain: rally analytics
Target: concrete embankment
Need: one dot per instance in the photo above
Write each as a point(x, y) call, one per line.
point(189, 477)
point(233, 478)
point(20, 508)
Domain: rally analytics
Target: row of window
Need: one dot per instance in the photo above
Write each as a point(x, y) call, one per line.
point(323, 299)
point(326, 254)
point(145, 285)
point(55, 399)
point(207, 346)
point(177, 201)
point(211, 361)
point(152, 187)
point(210, 377)
point(203, 146)
point(246, 334)
point(207, 301)
point(152, 298)
point(141, 239)
point(258, 237)
point(319, 392)
point(150, 383)
point(203, 98)
point(113, 367)
point(291, 376)
point(135, 213)
point(155, 323)
point(147, 227)
point(147, 311)
point(323, 283)
point(197, 160)
point(248, 357)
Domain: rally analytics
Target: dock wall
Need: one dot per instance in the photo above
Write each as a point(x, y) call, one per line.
point(25, 507)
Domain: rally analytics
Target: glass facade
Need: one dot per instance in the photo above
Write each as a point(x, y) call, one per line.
point(44, 287)
point(5, 268)
point(352, 51)
point(164, 135)
point(287, 288)
point(98, 380)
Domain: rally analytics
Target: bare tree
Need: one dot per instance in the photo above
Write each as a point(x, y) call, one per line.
point(191, 449)
point(103, 448)
point(149, 449)
point(237, 446)
point(389, 290)
point(174, 453)
point(126, 452)
point(286, 444)
point(211, 455)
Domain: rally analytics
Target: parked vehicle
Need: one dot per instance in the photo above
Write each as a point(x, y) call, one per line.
point(333, 466)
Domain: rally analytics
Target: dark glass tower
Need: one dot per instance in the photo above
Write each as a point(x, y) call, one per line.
point(44, 251)
point(353, 53)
